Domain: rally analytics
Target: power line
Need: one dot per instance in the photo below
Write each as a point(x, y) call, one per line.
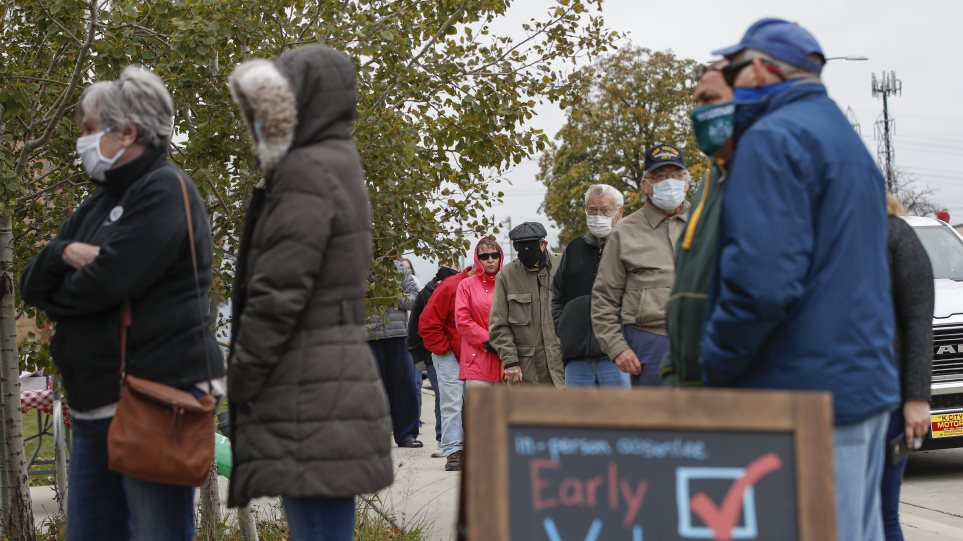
point(947, 118)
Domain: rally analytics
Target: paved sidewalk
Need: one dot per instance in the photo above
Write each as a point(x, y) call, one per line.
point(423, 493)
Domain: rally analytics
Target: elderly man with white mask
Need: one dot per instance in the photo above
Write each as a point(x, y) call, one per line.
point(585, 363)
point(638, 268)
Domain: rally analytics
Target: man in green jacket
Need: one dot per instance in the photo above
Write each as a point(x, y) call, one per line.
point(521, 328)
point(695, 254)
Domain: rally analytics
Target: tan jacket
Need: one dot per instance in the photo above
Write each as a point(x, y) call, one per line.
point(635, 276)
point(521, 328)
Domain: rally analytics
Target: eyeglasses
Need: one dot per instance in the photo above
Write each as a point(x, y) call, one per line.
point(602, 211)
point(730, 72)
point(489, 255)
point(679, 174)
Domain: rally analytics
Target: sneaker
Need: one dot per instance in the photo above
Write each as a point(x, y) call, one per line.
point(437, 454)
point(455, 461)
point(411, 443)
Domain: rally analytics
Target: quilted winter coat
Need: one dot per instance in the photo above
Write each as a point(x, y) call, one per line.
point(309, 412)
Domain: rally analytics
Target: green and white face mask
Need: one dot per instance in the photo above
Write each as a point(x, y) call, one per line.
point(712, 125)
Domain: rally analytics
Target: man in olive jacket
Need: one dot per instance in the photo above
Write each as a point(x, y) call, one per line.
point(521, 328)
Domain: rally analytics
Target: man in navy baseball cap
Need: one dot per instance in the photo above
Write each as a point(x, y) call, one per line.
point(782, 40)
point(663, 154)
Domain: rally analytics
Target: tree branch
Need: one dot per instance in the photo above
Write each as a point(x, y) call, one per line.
point(541, 30)
point(61, 106)
point(35, 195)
point(441, 32)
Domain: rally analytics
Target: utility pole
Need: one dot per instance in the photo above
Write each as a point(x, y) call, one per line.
point(887, 85)
point(511, 247)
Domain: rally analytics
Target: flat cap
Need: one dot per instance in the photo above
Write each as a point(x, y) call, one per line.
point(527, 231)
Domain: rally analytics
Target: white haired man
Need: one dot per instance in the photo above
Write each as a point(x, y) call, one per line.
point(585, 363)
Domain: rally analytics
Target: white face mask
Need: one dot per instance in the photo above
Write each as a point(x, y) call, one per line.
point(599, 226)
point(88, 148)
point(668, 194)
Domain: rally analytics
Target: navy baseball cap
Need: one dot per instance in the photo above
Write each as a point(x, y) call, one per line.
point(781, 40)
point(663, 154)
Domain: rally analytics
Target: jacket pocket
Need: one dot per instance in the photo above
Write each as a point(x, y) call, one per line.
point(652, 304)
point(519, 308)
point(631, 300)
point(526, 359)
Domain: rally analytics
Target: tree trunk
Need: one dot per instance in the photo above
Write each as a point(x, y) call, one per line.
point(210, 505)
point(247, 524)
point(4, 483)
point(19, 515)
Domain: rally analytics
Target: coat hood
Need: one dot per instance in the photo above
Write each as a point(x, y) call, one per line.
point(303, 97)
point(444, 272)
point(481, 270)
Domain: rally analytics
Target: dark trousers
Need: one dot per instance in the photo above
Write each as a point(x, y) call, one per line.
point(398, 375)
point(650, 348)
point(320, 519)
point(892, 479)
point(433, 379)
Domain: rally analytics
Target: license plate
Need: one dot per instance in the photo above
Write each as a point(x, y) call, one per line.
point(947, 425)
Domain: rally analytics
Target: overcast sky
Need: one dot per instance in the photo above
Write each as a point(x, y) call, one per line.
point(922, 42)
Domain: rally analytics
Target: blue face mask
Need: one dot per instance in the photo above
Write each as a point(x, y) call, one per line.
point(753, 94)
point(751, 103)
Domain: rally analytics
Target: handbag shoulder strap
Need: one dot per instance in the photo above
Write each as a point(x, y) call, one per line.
point(125, 314)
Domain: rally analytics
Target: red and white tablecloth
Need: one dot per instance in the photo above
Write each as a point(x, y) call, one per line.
point(42, 400)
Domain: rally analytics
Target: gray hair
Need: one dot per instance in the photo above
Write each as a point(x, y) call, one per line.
point(603, 190)
point(138, 98)
point(790, 71)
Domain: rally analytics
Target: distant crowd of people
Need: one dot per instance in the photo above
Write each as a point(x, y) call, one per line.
point(789, 269)
point(783, 272)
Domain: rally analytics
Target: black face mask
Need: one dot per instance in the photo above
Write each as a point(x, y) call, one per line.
point(530, 254)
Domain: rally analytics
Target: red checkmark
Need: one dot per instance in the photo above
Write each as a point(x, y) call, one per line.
point(723, 520)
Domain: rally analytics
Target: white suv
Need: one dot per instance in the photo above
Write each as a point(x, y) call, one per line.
point(945, 249)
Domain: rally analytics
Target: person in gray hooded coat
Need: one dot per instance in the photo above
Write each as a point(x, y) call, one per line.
point(309, 415)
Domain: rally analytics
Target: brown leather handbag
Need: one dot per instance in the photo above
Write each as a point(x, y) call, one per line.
point(160, 433)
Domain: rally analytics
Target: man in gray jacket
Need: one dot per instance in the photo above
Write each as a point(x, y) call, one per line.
point(388, 339)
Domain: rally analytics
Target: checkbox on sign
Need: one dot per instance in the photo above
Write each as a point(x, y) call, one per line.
point(687, 529)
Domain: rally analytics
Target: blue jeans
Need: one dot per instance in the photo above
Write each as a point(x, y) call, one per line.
point(433, 379)
point(650, 348)
point(451, 394)
point(892, 479)
point(320, 519)
point(858, 465)
point(104, 504)
point(418, 378)
point(595, 372)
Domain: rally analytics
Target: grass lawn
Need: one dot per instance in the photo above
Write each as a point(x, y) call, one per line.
point(30, 428)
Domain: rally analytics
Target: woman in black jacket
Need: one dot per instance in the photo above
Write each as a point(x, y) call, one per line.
point(126, 243)
point(913, 299)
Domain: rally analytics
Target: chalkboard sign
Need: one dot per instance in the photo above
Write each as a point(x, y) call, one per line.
point(558, 465)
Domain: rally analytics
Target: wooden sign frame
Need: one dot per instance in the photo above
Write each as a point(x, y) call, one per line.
point(489, 412)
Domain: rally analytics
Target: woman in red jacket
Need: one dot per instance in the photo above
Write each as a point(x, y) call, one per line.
point(473, 304)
